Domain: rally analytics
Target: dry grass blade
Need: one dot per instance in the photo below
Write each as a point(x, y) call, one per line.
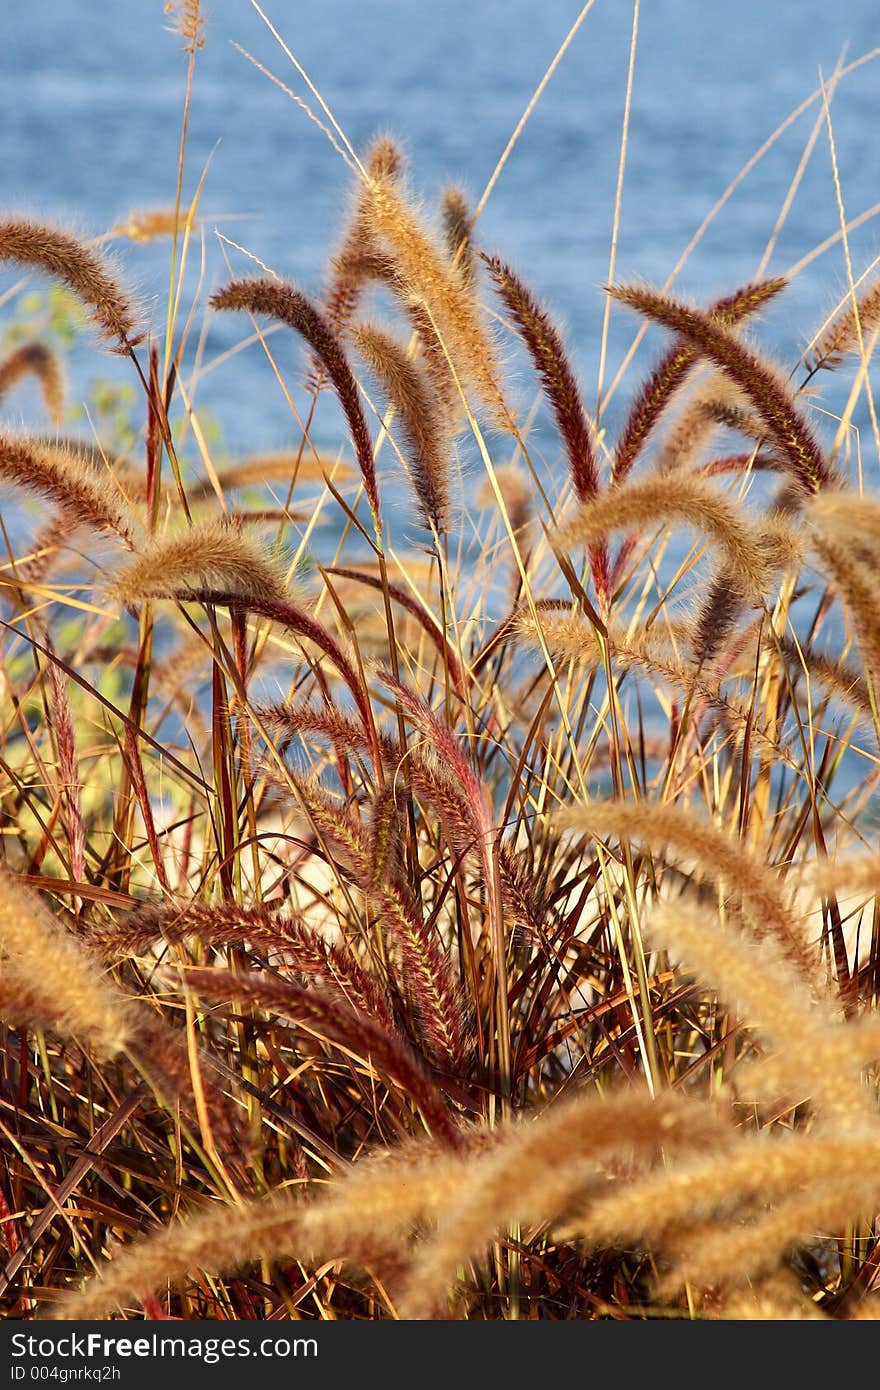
point(70, 779)
point(423, 617)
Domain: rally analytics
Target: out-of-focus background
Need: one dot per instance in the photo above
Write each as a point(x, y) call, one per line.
point(90, 110)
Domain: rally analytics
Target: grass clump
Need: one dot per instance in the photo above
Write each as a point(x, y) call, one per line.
point(483, 929)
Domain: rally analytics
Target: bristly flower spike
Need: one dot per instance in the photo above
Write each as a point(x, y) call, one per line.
point(763, 387)
point(85, 274)
point(546, 350)
point(280, 301)
point(673, 370)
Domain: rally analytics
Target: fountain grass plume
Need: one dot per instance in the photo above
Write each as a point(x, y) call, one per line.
point(457, 220)
point(87, 275)
point(36, 359)
point(767, 993)
point(49, 980)
point(209, 551)
point(438, 289)
point(847, 329)
point(282, 302)
point(846, 540)
point(327, 1017)
point(539, 1166)
point(87, 494)
point(653, 501)
point(808, 1178)
point(260, 469)
point(426, 431)
point(258, 927)
point(427, 975)
point(546, 349)
point(673, 369)
point(548, 353)
point(715, 854)
point(762, 385)
point(374, 1207)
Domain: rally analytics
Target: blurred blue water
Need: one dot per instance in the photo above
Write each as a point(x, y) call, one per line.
point(91, 99)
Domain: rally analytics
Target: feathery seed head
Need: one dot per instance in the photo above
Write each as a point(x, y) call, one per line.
point(86, 275)
point(49, 981)
point(210, 551)
point(427, 432)
point(37, 360)
point(86, 492)
point(759, 382)
point(290, 306)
